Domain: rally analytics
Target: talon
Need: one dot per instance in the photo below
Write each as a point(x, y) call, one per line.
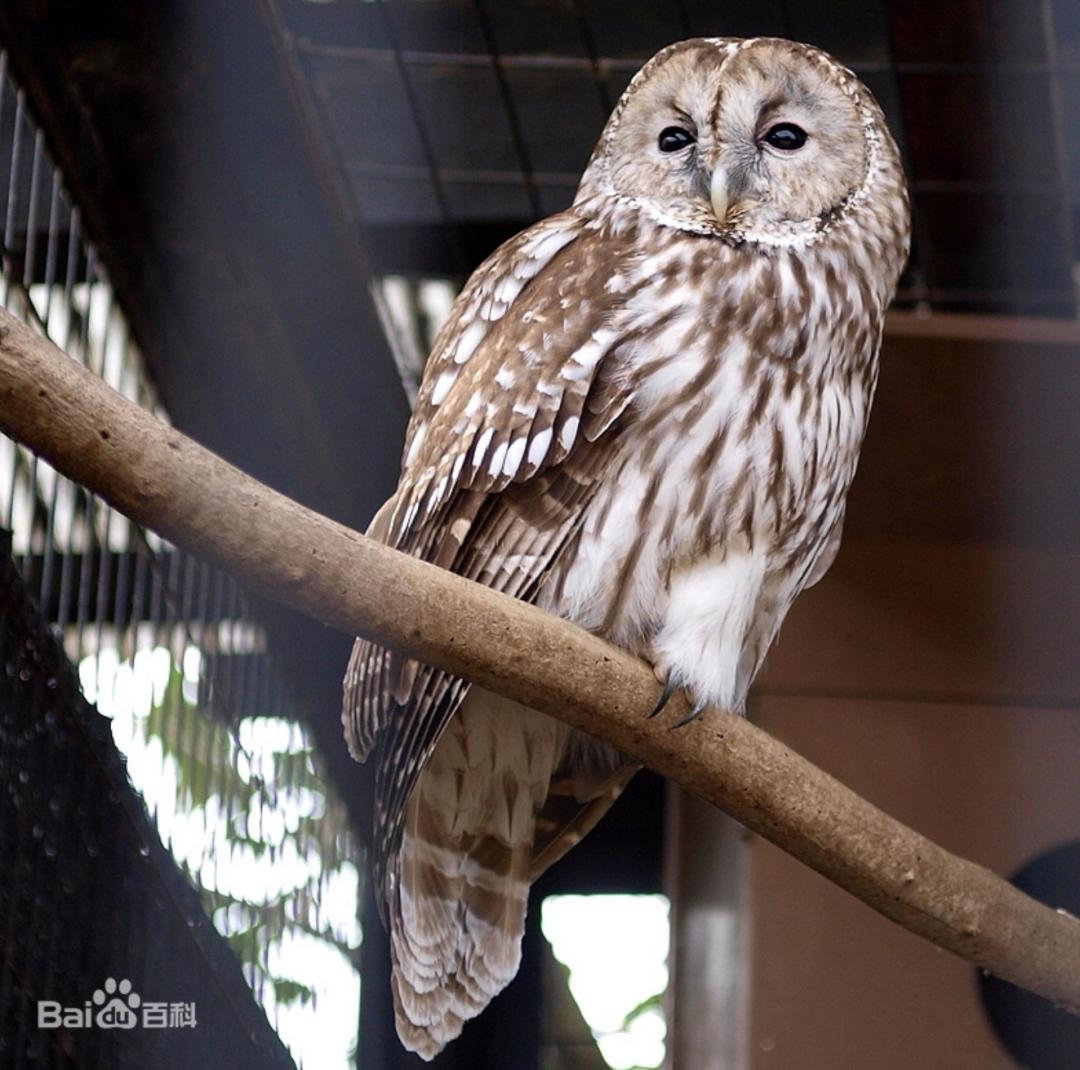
point(665, 695)
point(693, 715)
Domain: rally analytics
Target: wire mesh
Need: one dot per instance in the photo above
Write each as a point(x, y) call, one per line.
point(507, 100)
point(198, 721)
point(412, 311)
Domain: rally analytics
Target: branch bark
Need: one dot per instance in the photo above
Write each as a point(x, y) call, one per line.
point(168, 483)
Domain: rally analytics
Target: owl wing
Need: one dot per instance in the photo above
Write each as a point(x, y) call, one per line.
point(512, 431)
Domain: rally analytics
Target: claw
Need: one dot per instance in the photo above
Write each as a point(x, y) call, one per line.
point(665, 695)
point(693, 715)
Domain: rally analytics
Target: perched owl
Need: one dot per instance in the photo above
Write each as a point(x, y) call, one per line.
point(644, 415)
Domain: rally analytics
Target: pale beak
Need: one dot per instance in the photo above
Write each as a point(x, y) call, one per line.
point(718, 193)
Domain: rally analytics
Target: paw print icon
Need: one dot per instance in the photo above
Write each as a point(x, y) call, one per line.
point(117, 1004)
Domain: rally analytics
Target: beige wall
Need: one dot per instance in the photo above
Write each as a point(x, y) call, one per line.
point(942, 683)
point(936, 671)
point(832, 984)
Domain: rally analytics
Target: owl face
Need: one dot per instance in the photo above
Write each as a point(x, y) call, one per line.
point(741, 139)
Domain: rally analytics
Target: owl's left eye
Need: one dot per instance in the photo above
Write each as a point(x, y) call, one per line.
point(674, 138)
point(786, 136)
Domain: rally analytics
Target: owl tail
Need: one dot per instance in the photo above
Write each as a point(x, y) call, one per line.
point(456, 942)
point(457, 909)
point(506, 792)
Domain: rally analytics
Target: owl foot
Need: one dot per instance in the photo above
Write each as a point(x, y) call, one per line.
point(693, 715)
point(665, 695)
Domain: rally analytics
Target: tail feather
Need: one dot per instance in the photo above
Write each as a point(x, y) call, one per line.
point(457, 910)
point(451, 957)
point(461, 875)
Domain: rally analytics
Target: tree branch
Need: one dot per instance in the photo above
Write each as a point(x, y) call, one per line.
point(170, 484)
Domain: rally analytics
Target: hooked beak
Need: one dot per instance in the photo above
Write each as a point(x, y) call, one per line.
point(718, 193)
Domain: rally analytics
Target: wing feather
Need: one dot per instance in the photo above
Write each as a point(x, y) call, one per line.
point(512, 432)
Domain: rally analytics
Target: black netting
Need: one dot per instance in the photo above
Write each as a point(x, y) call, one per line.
point(90, 893)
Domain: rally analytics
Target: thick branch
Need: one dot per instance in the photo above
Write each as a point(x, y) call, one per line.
point(166, 482)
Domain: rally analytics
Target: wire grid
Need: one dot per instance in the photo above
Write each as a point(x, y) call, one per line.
point(481, 116)
point(167, 647)
point(411, 311)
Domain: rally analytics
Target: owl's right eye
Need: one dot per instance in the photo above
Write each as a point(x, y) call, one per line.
point(674, 138)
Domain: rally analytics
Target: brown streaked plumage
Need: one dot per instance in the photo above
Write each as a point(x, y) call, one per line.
point(643, 414)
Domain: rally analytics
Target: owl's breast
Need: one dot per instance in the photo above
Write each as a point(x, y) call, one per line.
point(743, 440)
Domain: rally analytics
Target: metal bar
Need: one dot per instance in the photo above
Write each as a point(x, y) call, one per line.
point(216, 700)
point(13, 480)
point(140, 554)
point(70, 493)
point(3, 80)
point(104, 574)
point(616, 64)
point(52, 246)
point(985, 67)
point(463, 174)
point(90, 504)
point(516, 131)
point(32, 210)
point(209, 736)
point(1000, 296)
point(227, 627)
point(423, 58)
point(105, 558)
point(45, 576)
point(229, 760)
point(1000, 185)
point(1058, 122)
point(12, 193)
point(91, 280)
point(994, 113)
point(596, 64)
point(98, 366)
point(922, 243)
point(204, 580)
point(188, 570)
point(173, 725)
point(201, 738)
point(66, 565)
point(85, 572)
point(188, 724)
point(73, 243)
point(976, 327)
point(426, 148)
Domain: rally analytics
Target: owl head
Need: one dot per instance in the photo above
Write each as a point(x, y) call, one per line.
point(758, 140)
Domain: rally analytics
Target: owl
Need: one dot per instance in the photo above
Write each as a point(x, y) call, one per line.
point(643, 415)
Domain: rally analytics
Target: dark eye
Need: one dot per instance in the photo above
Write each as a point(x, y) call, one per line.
point(674, 138)
point(786, 136)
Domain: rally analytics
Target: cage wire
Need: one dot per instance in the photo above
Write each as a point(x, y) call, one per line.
point(997, 227)
point(190, 712)
point(411, 311)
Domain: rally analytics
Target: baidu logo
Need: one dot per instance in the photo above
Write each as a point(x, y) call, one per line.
point(115, 1006)
point(118, 1005)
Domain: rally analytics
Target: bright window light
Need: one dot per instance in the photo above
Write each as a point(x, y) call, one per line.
point(255, 855)
point(616, 949)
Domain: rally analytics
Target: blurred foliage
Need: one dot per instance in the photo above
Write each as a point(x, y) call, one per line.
point(653, 1005)
point(263, 801)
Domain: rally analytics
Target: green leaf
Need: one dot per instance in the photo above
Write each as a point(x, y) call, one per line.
point(287, 991)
